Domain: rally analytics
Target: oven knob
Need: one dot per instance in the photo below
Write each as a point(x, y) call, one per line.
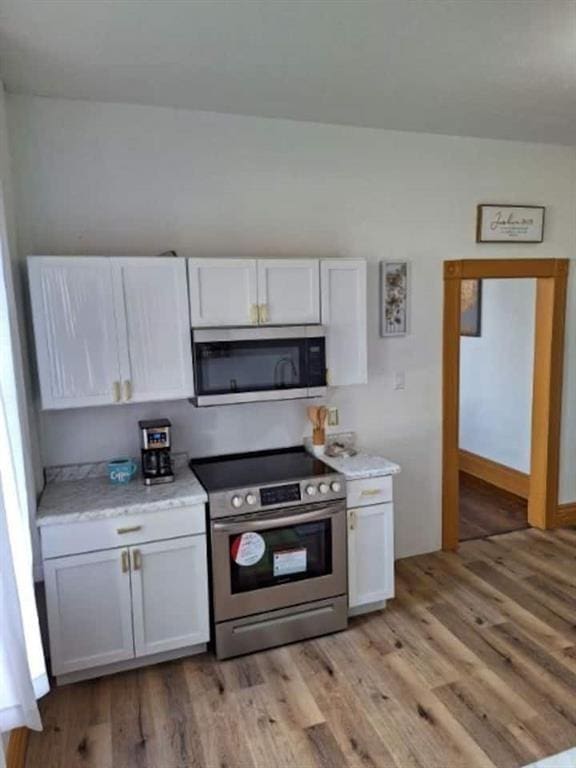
point(250, 499)
point(323, 488)
point(336, 486)
point(237, 501)
point(311, 490)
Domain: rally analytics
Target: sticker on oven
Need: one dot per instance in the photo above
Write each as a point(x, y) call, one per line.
point(290, 561)
point(248, 548)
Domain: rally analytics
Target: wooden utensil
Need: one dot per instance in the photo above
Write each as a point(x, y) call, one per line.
point(317, 416)
point(313, 414)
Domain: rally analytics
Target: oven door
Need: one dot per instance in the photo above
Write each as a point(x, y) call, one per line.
point(262, 562)
point(248, 364)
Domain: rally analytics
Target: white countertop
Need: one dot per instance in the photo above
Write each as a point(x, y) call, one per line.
point(95, 498)
point(361, 465)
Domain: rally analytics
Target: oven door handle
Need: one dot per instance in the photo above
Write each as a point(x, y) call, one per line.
point(276, 522)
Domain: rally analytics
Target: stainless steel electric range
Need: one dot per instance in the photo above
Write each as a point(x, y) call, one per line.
point(277, 522)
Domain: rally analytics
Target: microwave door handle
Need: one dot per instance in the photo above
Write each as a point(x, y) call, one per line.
point(275, 522)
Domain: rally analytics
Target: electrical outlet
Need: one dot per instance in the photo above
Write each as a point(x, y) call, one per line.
point(333, 417)
point(400, 380)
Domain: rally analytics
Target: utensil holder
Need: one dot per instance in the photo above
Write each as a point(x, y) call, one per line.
point(318, 436)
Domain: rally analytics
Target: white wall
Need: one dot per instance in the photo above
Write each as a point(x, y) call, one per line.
point(17, 390)
point(496, 375)
point(119, 179)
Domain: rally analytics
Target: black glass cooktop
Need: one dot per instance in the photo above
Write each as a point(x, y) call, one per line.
point(243, 470)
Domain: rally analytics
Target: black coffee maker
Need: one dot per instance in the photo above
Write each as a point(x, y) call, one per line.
point(156, 462)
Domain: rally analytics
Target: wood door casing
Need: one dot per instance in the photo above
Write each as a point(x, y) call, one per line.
point(551, 276)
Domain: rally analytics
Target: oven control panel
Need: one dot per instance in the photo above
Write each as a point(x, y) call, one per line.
point(249, 500)
point(280, 494)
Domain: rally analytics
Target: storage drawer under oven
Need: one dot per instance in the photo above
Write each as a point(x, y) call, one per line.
point(264, 562)
point(287, 625)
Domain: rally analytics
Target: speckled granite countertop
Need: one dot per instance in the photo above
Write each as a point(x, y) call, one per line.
point(94, 498)
point(356, 467)
point(362, 465)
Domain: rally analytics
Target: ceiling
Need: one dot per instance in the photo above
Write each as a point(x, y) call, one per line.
point(490, 68)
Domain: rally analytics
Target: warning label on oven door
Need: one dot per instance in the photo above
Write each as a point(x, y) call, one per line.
point(248, 549)
point(289, 561)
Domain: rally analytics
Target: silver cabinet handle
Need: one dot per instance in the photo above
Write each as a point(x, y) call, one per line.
point(278, 521)
point(116, 391)
point(125, 561)
point(127, 390)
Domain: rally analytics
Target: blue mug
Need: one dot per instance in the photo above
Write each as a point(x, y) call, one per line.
point(121, 470)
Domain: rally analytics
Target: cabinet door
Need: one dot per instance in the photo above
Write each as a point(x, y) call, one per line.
point(289, 291)
point(75, 330)
point(344, 315)
point(170, 594)
point(89, 610)
point(155, 343)
point(370, 554)
point(223, 292)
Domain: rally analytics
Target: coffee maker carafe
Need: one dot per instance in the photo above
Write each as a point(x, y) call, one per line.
point(156, 462)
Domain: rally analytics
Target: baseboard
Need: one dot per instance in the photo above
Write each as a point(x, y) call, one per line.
point(128, 664)
point(566, 514)
point(17, 747)
point(511, 480)
point(360, 610)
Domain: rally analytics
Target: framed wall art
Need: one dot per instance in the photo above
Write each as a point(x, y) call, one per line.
point(471, 308)
point(393, 298)
point(510, 223)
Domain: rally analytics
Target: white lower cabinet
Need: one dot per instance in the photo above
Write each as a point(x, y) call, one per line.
point(109, 608)
point(169, 594)
point(89, 610)
point(370, 544)
point(370, 564)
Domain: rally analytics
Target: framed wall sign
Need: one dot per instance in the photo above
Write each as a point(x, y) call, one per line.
point(510, 223)
point(393, 298)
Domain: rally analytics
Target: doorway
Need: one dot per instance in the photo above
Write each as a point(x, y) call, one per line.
point(497, 328)
point(551, 280)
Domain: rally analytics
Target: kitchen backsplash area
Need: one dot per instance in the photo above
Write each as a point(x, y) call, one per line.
point(95, 434)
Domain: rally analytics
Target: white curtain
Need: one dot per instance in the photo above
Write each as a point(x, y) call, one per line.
point(23, 676)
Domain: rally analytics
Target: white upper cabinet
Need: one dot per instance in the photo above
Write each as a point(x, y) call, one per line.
point(236, 292)
point(223, 292)
point(154, 328)
point(344, 315)
point(110, 330)
point(288, 291)
point(75, 330)
point(170, 594)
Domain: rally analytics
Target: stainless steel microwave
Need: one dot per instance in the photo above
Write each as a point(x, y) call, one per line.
point(246, 365)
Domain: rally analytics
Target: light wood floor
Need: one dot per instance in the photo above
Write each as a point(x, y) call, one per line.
point(474, 664)
point(486, 510)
